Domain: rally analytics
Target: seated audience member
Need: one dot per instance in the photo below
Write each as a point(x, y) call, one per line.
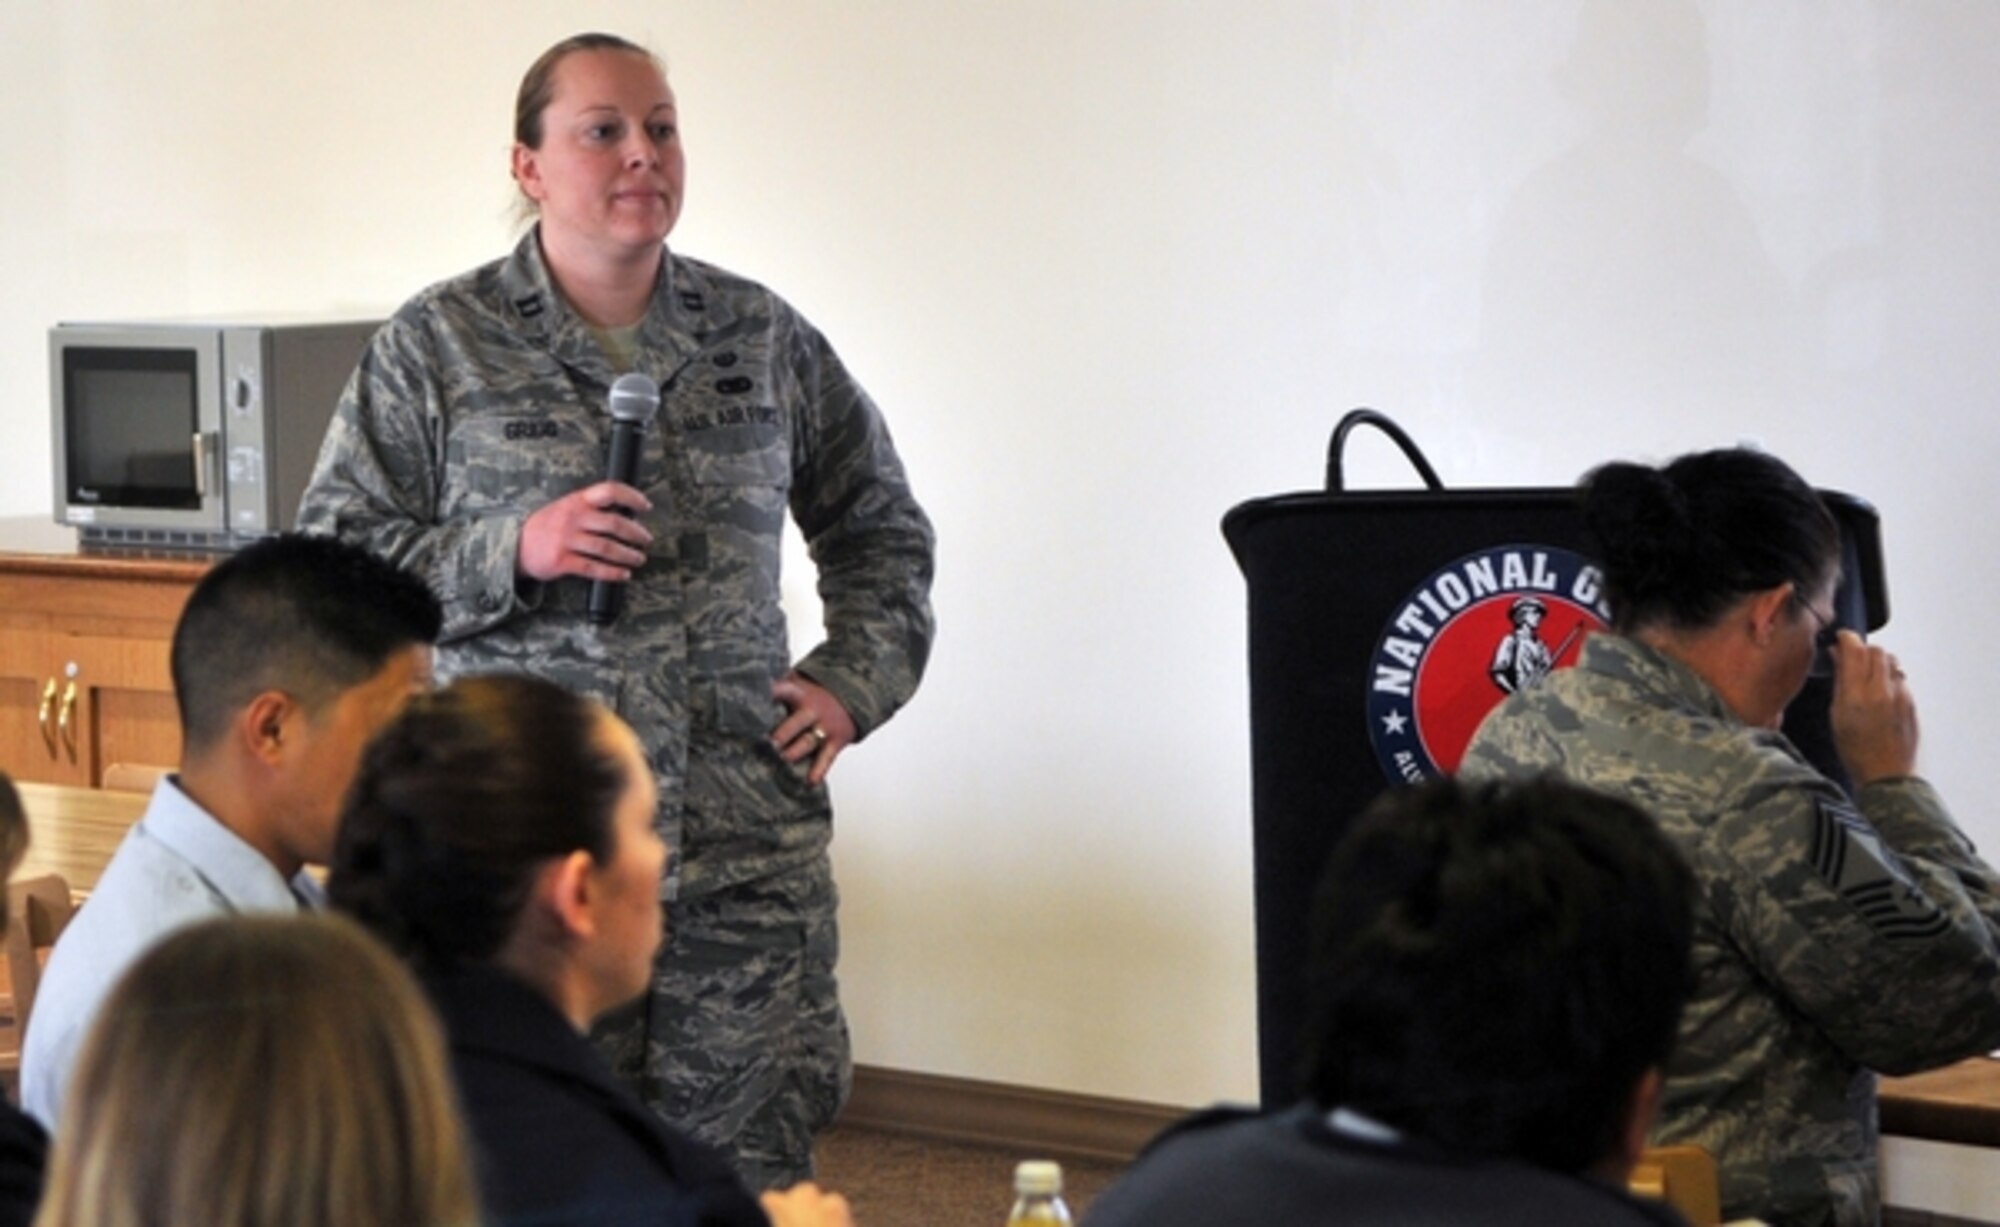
point(1835, 935)
point(1496, 976)
point(500, 836)
point(24, 1147)
point(263, 1071)
point(286, 659)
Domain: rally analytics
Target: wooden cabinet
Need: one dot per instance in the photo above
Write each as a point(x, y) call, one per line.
point(84, 678)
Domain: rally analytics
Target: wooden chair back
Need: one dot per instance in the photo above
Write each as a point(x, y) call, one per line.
point(133, 777)
point(37, 910)
point(1683, 1177)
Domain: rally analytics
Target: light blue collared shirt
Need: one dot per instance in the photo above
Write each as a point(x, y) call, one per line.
point(176, 866)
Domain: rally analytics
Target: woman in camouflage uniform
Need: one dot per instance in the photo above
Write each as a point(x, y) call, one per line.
point(470, 447)
point(1835, 935)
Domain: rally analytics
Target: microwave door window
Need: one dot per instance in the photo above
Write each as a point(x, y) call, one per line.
point(132, 416)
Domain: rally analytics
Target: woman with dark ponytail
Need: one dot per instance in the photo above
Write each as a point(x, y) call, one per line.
point(460, 803)
point(1835, 935)
point(499, 836)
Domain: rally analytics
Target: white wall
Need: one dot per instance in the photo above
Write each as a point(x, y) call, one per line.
point(1113, 267)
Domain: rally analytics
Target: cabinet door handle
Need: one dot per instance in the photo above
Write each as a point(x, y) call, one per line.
point(66, 722)
point(48, 709)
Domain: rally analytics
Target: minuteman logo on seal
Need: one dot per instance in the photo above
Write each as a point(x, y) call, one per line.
point(1473, 633)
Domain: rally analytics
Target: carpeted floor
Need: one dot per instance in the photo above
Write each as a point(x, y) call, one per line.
point(895, 1180)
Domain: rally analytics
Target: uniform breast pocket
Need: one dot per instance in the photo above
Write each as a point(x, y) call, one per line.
point(742, 479)
point(504, 462)
point(741, 456)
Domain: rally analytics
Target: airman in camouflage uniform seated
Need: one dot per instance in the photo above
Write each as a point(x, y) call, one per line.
point(1835, 935)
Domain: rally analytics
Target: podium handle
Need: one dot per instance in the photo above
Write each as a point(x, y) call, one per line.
point(1335, 482)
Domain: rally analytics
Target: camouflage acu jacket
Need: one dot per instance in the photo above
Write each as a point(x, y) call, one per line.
point(484, 398)
point(1833, 937)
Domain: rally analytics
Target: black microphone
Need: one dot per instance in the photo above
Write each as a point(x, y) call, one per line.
point(635, 400)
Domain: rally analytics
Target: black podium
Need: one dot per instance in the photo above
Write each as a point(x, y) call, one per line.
point(1382, 627)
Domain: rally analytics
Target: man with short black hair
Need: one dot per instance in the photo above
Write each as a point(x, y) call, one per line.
point(287, 658)
point(1496, 979)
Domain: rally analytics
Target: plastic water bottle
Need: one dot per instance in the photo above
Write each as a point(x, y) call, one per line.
point(1038, 1194)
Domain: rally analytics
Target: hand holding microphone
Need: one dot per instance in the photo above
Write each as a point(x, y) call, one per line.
point(635, 402)
point(590, 534)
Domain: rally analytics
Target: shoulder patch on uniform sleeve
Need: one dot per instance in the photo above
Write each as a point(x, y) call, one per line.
point(1849, 855)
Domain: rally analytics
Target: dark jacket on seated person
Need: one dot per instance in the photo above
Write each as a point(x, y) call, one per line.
point(1233, 1166)
point(559, 1140)
point(24, 1152)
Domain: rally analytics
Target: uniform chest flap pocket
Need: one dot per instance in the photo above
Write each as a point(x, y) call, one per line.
point(740, 456)
point(518, 460)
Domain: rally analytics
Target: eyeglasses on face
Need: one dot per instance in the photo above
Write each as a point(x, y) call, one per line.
point(1827, 632)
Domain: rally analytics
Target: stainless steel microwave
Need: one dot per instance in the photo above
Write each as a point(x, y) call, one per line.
point(191, 435)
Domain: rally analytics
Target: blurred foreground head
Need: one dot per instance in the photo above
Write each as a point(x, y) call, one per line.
point(263, 1072)
point(1497, 968)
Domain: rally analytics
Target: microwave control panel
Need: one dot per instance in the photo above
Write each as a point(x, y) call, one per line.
point(280, 388)
point(246, 496)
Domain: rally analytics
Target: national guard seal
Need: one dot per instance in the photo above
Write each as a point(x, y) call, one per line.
point(1476, 631)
